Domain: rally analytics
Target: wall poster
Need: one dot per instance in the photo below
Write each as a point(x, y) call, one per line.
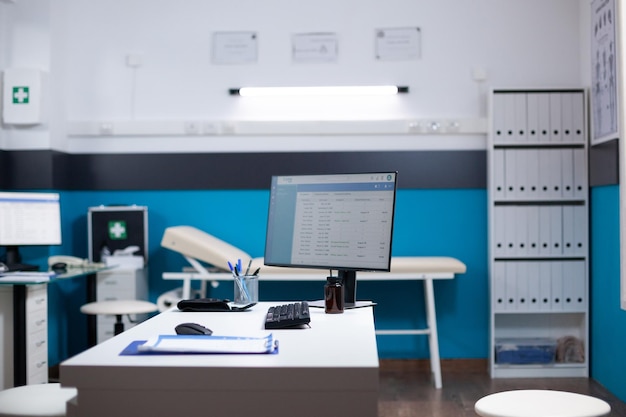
point(604, 103)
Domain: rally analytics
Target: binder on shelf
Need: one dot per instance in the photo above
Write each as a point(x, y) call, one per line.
point(510, 230)
point(557, 286)
point(554, 169)
point(567, 173)
point(521, 173)
point(511, 286)
point(499, 183)
point(545, 286)
point(569, 246)
point(532, 176)
point(533, 230)
point(580, 177)
point(510, 175)
point(521, 286)
point(520, 221)
point(499, 130)
point(534, 288)
point(544, 160)
point(509, 118)
point(544, 117)
point(544, 231)
point(499, 286)
point(499, 231)
point(556, 230)
point(578, 122)
point(521, 111)
point(555, 118)
point(581, 231)
point(532, 117)
point(567, 117)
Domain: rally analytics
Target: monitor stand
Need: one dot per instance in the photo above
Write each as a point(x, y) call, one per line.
point(13, 261)
point(348, 279)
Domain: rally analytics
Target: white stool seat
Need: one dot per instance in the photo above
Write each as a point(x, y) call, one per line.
point(540, 403)
point(118, 307)
point(41, 400)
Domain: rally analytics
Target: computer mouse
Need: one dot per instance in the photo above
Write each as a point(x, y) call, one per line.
point(59, 267)
point(193, 329)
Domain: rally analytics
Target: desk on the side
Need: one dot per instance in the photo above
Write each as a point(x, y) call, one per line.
point(328, 369)
point(27, 356)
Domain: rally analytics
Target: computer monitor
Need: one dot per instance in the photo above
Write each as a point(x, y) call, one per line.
point(28, 219)
point(340, 222)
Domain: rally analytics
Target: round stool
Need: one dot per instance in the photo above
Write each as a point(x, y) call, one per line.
point(118, 308)
point(540, 403)
point(40, 400)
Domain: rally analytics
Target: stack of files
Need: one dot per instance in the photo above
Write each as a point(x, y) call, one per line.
point(539, 286)
point(547, 230)
point(539, 174)
point(542, 117)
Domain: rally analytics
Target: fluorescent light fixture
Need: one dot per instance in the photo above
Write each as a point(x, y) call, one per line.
point(376, 90)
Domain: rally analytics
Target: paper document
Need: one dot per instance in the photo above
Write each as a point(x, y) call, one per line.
point(26, 276)
point(209, 344)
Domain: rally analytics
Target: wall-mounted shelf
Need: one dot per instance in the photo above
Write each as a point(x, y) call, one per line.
point(426, 126)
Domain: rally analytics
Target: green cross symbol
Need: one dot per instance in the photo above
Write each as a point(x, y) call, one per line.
point(117, 230)
point(21, 95)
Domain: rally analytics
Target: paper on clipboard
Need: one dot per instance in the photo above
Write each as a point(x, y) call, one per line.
point(209, 344)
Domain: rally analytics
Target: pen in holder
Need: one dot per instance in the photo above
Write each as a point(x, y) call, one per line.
point(246, 289)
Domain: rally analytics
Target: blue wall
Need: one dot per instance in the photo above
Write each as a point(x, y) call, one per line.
point(608, 321)
point(428, 223)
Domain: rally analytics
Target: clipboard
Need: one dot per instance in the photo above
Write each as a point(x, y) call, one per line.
point(202, 345)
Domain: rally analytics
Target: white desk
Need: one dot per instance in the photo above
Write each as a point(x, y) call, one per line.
point(424, 269)
point(330, 369)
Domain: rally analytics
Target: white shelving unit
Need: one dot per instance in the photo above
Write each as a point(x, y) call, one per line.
point(538, 221)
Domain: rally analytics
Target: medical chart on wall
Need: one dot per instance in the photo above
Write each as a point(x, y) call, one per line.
point(234, 48)
point(398, 44)
point(314, 47)
point(604, 104)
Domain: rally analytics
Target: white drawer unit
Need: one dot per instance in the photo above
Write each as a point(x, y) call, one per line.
point(32, 344)
point(538, 237)
point(120, 284)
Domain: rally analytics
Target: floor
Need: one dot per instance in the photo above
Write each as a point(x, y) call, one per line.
point(406, 388)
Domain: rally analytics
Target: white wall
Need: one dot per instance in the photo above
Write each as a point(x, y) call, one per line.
point(525, 43)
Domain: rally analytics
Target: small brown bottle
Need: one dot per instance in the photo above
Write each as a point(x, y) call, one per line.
point(333, 295)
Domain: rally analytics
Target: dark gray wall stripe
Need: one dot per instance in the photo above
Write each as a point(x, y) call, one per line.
point(417, 169)
point(604, 164)
point(44, 169)
point(28, 169)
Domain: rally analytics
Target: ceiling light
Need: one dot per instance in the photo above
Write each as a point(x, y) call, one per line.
point(377, 90)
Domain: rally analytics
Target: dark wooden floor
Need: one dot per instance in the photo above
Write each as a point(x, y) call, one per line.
point(406, 388)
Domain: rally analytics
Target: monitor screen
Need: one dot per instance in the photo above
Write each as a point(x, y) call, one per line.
point(28, 219)
point(340, 222)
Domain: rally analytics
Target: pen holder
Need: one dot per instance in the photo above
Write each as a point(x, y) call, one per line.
point(246, 289)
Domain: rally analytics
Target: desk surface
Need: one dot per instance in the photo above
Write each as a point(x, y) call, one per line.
point(35, 277)
point(336, 357)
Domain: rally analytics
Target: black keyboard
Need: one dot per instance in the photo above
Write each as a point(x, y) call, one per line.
point(288, 315)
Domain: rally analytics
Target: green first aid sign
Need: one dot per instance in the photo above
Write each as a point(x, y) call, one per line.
point(117, 230)
point(21, 95)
